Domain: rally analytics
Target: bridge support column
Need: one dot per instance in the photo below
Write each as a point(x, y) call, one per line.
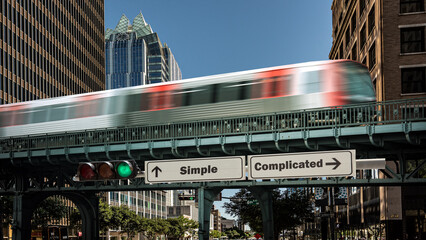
point(264, 196)
point(25, 204)
point(23, 207)
point(205, 203)
point(88, 205)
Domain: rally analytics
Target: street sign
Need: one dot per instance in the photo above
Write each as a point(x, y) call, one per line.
point(302, 165)
point(195, 170)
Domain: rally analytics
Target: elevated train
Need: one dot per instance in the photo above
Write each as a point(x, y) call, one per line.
point(268, 90)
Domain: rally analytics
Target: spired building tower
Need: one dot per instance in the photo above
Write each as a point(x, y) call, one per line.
point(135, 56)
point(50, 48)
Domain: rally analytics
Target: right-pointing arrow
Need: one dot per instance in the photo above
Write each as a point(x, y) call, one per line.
point(336, 163)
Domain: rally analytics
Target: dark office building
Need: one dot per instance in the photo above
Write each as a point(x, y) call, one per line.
point(388, 36)
point(50, 48)
point(136, 56)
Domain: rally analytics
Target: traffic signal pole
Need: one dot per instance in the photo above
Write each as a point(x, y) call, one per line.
point(205, 202)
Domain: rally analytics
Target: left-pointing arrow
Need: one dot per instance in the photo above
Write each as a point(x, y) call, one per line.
point(156, 169)
point(336, 163)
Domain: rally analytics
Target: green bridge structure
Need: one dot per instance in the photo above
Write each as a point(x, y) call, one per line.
point(35, 167)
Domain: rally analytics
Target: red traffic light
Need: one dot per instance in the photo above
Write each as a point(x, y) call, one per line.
point(87, 171)
point(107, 170)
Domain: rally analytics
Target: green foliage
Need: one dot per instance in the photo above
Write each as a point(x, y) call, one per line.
point(110, 217)
point(49, 209)
point(157, 227)
point(235, 233)
point(105, 215)
point(179, 226)
point(215, 234)
point(129, 221)
point(290, 210)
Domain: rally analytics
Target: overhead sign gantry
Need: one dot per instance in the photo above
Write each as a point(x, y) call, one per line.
point(273, 166)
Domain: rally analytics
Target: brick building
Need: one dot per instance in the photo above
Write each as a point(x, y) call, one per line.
point(388, 36)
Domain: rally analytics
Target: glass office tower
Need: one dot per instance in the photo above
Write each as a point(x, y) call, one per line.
point(135, 56)
point(50, 48)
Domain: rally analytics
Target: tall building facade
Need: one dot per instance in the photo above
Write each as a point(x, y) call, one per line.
point(50, 48)
point(136, 56)
point(388, 36)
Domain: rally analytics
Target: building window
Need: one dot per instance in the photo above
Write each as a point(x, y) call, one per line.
point(361, 6)
point(412, 40)
point(375, 84)
point(362, 37)
point(409, 6)
point(348, 36)
point(413, 80)
point(354, 52)
point(372, 56)
point(353, 22)
point(371, 20)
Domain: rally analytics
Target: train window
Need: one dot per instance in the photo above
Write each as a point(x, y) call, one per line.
point(195, 96)
point(359, 82)
point(230, 92)
point(274, 83)
point(58, 112)
point(87, 109)
point(310, 81)
point(144, 101)
point(39, 115)
point(160, 100)
point(6, 119)
point(245, 89)
point(134, 102)
point(112, 103)
point(256, 89)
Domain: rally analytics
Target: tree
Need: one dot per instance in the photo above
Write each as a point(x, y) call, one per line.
point(129, 222)
point(52, 208)
point(215, 234)
point(105, 216)
point(235, 232)
point(157, 227)
point(290, 209)
point(179, 226)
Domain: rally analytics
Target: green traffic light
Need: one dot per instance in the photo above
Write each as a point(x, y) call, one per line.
point(124, 169)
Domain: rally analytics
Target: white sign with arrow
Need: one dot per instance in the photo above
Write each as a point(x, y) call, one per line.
point(195, 170)
point(302, 165)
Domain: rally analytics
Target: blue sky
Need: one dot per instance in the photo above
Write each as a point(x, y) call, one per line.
point(219, 36)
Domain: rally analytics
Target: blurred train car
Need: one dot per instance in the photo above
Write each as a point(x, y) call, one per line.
point(269, 90)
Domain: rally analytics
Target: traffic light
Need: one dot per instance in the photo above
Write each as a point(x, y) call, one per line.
point(105, 170)
point(186, 197)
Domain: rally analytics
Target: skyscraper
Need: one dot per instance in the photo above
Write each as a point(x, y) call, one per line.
point(50, 48)
point(135, 56)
